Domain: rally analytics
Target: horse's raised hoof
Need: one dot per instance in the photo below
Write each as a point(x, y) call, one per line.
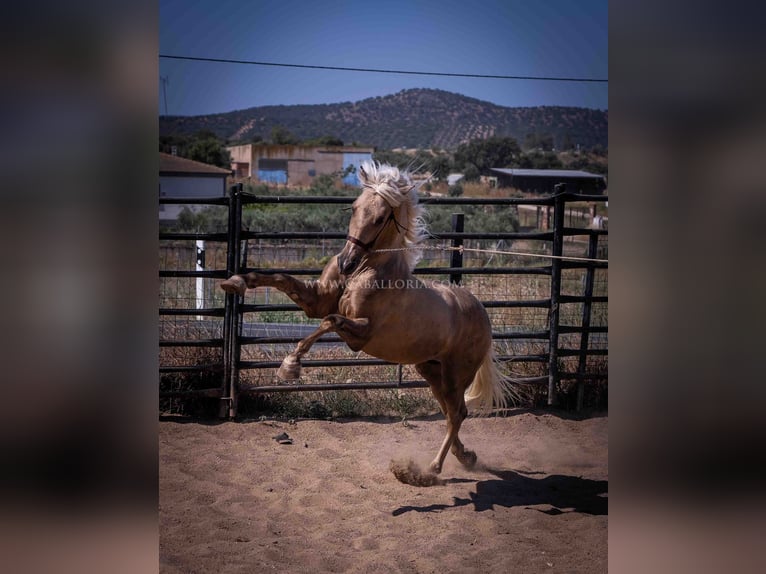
point(234, 284)
point(408, 472)
point(290, 370)
point(468, 459)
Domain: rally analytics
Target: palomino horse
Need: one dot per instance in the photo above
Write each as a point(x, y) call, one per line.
point(368, 295)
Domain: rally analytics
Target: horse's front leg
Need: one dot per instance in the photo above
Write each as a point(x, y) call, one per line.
point(354, 332)
point(316, 298)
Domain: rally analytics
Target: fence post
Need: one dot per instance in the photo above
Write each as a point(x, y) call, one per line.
point(199, 281)
point(236, 325)
point(457, 256)
point(586, 311)
point(557, 250)
point(231, 320)
point(223, 408)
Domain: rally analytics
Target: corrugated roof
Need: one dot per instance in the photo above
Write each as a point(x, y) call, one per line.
point(573, 173)
point(172, 164)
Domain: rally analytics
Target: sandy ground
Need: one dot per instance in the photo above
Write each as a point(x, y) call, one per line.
point(232, 499)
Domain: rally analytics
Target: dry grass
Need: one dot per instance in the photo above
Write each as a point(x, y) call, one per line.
point(209, 376)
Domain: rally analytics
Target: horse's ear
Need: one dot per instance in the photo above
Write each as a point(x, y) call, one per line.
point(363, 174)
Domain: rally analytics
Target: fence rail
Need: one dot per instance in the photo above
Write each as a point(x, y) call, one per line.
point(229, 337)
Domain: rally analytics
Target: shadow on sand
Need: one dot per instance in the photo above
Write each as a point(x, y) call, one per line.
point(562, 493)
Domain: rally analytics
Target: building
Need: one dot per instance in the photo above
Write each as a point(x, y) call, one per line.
point(187, 179)
point(296, 165)
point(454, 178)
point(542, 181)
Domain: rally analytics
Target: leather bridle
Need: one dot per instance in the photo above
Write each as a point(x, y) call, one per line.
point(366, 246)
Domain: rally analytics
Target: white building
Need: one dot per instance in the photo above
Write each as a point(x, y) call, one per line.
point(187, 179)
point(453, 178)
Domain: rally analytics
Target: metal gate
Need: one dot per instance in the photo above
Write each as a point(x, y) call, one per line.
point(210, 337)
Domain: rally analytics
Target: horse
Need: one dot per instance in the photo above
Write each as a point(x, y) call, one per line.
point(368, 295)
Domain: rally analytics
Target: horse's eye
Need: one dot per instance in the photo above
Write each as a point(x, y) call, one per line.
point(378, 220)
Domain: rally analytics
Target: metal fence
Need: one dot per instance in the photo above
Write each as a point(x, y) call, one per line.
point(544, 287)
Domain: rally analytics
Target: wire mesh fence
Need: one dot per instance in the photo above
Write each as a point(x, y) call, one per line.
point(217, 345)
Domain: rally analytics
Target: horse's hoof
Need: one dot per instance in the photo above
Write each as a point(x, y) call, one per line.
point(290, 370)
point(410, 473)
point(234, 284)
point(435, 467)
point(468, 459)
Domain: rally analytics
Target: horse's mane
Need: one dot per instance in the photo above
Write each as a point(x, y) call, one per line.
point(398, 190)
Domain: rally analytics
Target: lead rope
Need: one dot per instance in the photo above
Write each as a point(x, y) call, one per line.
point(462, 249)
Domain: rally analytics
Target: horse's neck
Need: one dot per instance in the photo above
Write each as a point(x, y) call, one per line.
point(391, 264)
point(397, 263)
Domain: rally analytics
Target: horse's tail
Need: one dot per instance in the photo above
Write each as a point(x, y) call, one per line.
point(491, 389)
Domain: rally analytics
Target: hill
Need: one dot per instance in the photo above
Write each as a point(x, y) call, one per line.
point(417, 118)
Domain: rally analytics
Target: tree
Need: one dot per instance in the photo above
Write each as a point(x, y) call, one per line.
point(440, 167)
point(546, 142)
point(203, 146)
point(599, 150)
point(210, 151)
point(395, 158)
point(455, 190)
point(282, 136)
point(534, 141)
point(205, 135)
point(471, 173)
point(567, 143)
point(325, 141)
point(540, 160)
point(179, 142)
point(482, 155)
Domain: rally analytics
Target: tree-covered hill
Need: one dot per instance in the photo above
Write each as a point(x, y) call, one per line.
point(416, 118)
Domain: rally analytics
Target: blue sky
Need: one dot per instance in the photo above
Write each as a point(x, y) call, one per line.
point(560, 38)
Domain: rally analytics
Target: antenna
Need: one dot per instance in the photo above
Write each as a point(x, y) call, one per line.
point(165, 82)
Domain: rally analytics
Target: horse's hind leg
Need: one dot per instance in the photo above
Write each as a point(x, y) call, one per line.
point(452, 403)
point(466, 457)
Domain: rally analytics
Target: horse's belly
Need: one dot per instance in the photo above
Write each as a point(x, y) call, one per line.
point(410, 326)
point(408, 342)
point(396, 353)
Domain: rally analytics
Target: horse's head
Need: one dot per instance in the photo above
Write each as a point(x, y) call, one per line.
point(376, 212)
